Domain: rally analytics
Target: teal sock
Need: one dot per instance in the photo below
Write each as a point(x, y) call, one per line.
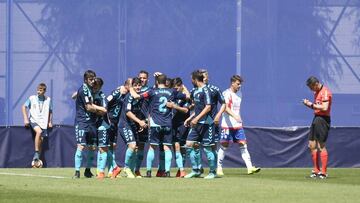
point(168, 158)
point(101, 164)
point(198, 156)
point(129, 157)
point(149, 159)
point(179, 160)
point(98, 162)
point(90, 159)
point(103, 159)
point(139, 159)
point(133, 161)
point(215, 156)
point(183, 154)
point(161, 160)
point(110, 161)
point(78, 159)
point(114, 164)
point(192, 156)
point(211, 158)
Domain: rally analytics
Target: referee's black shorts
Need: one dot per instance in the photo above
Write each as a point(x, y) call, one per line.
point(319, 129)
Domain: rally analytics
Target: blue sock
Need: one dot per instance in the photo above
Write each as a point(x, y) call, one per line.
point(149, 159)
point(110, 159)
point(139, 159)
point(179, 160)
point(168, 158)
point(129, 157)
point(211, 158)
point(78, 159)
point(90, 159)
point(101, 164)
point(36, 155)
point(192, 156)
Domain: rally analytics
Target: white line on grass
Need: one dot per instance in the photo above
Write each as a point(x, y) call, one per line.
point(32, 175)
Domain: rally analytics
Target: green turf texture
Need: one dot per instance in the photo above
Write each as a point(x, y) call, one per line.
point(270, 185)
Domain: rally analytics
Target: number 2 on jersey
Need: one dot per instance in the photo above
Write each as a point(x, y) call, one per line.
point(162, 106)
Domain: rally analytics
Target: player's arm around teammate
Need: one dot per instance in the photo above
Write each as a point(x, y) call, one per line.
point(103, 125)
point(180, 112)
point(85, 124)
point(201, 127)
point(114, 106)
point(127, 129)
point(172, 105)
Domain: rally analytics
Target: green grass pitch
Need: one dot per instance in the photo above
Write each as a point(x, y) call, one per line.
point(270, 185)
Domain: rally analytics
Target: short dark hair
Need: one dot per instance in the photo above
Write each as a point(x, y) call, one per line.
point(89, 74)
point(136, 81)
point(311, 81)
point(197, 75)
point(235, 78)
point(177, 81)
point(169, 83)
point(161, 79)
point(144, 72)
point(42, 85)
point(99, 82)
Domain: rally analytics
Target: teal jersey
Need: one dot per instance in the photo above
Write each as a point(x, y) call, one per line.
point(102, 122)
point(201, 97)
point(160, 114)
point(82, 116)
point(114, 106)
point(216, 97)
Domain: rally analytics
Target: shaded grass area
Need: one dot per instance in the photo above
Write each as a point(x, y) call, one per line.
point(270, 185)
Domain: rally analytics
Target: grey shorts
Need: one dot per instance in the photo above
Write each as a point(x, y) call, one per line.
point(44, 131)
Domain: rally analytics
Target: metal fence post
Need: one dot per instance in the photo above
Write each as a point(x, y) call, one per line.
point(8, 74)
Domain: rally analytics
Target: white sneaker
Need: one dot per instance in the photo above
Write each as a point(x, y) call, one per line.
point(313, 174)
point(253, 170)
point(219, 171)
point(129, 173)
point(322, 176)
point(210, 176)
point(193, 174)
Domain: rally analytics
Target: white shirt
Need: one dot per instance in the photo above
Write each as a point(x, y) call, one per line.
point(233, 101)
point(39, 111)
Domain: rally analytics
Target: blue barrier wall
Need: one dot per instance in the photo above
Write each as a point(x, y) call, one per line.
point(275, 147)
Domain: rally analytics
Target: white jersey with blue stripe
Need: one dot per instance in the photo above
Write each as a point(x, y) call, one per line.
point(233, 101)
